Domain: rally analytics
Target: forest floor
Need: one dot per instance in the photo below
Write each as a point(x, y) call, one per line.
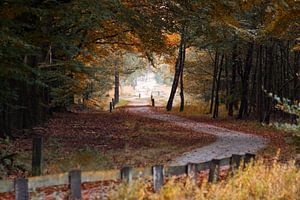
point(282, 145)
point(227, 142)
point(242, 135)
point(102, 140)
point(140, 135)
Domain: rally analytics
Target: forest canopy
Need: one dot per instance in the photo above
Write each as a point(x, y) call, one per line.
point(53, 50)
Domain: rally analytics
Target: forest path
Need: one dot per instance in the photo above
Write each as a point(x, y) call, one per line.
point(228, 142)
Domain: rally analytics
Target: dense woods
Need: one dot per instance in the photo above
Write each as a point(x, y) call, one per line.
point(53, 50)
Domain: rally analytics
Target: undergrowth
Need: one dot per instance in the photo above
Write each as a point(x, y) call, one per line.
point(257, 181)
point(9, 164)
point(199, 108)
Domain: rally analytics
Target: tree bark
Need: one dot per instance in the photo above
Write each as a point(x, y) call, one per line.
point(253, 88)
point(227, 85)
point(214, 81)
point(178, 70)
point(296, 77)
point(233, 81)
point(268, 83)
point(245, 82)
point(259, 92)
point(181, 79)
point(117, 85)
point(217, 99)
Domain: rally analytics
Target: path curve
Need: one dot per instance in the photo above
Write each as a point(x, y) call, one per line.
point(227, 142)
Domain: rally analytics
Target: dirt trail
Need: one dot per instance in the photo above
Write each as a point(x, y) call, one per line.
point(228, 141)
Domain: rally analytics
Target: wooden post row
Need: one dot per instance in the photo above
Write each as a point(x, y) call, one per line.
point(191, 171)
point(235, 161)
point(214, 171)
point(158, 177)
point(21, 185)
point(126, 174)
point(36, 167)
point(75, 184)
point(249, 157)
point(21, 189)
point(110, 107)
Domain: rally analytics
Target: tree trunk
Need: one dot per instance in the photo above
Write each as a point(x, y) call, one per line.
point(253, 88)
point(268, 84)
point(233, 82)
point(296, 77)
point(214, 81)
point(181, 79)
point(259, 92)
point(178, 70)
point(217, 99)
point(117, 85)
point(245, 82)
point(226, 82)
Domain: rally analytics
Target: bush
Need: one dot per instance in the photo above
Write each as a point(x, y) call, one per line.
point(257, 181)
point(9, 164)
point(292, 108)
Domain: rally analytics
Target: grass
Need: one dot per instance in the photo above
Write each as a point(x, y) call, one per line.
point(86, 159)
point(276, 181)
point(122, 103)
point(294, 140)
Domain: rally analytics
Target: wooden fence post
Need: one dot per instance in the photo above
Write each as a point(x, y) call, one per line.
point(126, 174)
point(235, 162)
point(248, 158)
point(110, 107)
point(36, 168)
point(214, 171)
point(158, 177)
point(113, 103)
point(75, 184)
point(191, 171)
point(153, 103)
point(21, 189)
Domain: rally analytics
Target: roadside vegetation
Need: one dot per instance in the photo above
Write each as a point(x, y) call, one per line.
point(258, 181)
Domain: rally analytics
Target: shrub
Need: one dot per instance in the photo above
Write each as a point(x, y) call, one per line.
point(9, 164)
point(289, 107)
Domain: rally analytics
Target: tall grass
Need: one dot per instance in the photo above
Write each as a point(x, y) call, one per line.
point(199, 108)
point(257, 181)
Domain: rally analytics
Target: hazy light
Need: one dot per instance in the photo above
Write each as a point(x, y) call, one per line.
point(146, 84)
